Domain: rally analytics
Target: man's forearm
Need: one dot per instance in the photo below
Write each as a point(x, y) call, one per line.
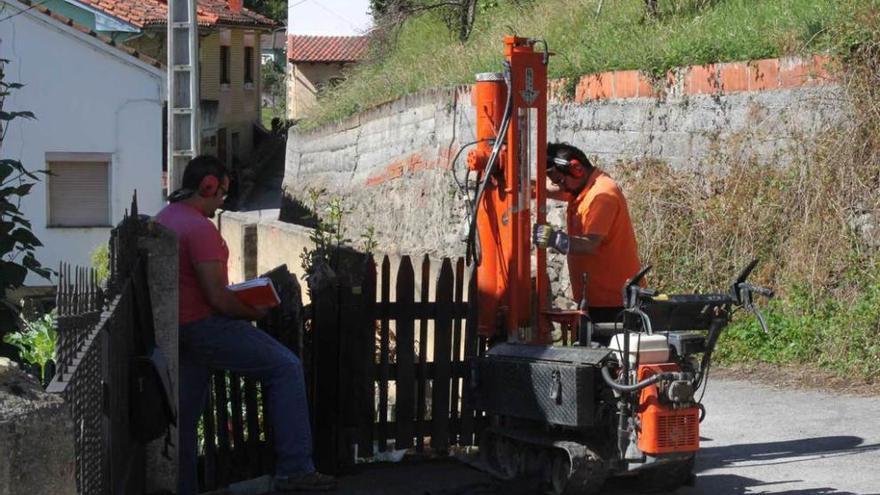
point(226, 303)
point(583, 245)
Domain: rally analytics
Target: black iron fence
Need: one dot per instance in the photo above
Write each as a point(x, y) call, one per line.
point(97, 335)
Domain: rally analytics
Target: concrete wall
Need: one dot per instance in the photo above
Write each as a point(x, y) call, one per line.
point(88, 97)
point(36, 437)
point(392, 164)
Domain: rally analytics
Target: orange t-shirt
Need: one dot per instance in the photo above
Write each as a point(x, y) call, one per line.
point(601, 209)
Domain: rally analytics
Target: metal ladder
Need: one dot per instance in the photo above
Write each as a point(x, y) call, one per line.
point(184, 135)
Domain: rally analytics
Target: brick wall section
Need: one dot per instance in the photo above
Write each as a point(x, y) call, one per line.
point(711, 79)
point(392, 163)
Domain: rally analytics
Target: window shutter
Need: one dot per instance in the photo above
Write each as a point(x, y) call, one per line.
point(79, 194)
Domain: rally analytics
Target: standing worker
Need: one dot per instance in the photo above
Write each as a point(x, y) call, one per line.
point(600, 240)
point(215, 334)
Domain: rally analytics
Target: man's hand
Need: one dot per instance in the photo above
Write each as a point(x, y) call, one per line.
point(545, 236)
point(212, 278)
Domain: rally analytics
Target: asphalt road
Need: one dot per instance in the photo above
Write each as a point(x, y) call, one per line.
point(756, 440)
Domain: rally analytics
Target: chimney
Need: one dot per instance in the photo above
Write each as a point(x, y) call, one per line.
point(235, 6)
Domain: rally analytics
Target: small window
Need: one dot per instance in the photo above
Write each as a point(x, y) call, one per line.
point(79, 192)
point(224, 65)
point(248, 65)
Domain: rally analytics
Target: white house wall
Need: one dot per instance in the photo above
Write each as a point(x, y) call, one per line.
point(87, 99)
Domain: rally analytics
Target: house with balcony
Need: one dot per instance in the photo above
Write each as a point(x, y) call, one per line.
point(229, 60)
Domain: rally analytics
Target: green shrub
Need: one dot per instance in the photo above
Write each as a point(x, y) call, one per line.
point(101, 263)
point(36, 342)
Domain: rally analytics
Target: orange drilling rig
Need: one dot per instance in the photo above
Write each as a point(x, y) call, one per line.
point(572, 412)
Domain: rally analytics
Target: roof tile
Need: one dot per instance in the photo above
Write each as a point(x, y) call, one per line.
point(144, 13)
point(326, 48)
point(79, 27)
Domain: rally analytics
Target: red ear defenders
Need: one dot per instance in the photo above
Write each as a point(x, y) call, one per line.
point(568, 166)
point(208, 187)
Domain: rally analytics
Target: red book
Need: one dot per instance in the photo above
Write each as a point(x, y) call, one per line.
point(257, 292)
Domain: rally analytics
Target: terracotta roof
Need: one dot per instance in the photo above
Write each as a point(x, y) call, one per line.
point(326, 48)
point(146, 13)
point(84, 29)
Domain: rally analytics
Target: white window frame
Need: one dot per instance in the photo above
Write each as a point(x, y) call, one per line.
point(107, 158)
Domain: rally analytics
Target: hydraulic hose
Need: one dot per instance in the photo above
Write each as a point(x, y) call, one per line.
point(490, 167)
point(606, 375)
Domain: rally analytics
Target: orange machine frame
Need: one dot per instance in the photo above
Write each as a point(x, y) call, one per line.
point(504, 214)
point(665, 430)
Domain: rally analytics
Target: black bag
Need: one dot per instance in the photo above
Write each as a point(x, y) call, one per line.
point(151, 414)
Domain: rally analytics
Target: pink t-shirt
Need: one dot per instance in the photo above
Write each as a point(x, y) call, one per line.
point(198, 241)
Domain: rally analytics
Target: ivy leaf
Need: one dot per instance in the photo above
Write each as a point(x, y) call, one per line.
point(13, 115)
point(21, 190)
point(33, 265)
point(12, 274)
point(5, 171)
point(26, 237)
point(6, 244)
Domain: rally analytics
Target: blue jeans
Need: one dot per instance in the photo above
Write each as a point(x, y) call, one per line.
point(220, 343)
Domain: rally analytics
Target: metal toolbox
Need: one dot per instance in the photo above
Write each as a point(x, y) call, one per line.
point(554, 385)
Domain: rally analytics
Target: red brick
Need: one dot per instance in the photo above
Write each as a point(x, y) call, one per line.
point(823, 69)
point(646, 87)
point(701, 79)
point(793, 72)
point(764, 74)
point(734, 77)
point(600, 86)
point(580, 91)
point(626, 83)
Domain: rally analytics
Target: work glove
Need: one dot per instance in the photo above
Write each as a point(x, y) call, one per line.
point(545, 236)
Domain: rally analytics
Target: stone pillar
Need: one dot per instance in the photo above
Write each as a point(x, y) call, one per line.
point(36, 437)
point(162, 271)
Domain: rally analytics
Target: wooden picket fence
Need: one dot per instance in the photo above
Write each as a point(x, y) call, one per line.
point(390, 374)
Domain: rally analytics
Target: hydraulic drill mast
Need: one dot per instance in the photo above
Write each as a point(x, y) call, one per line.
point(512, 134)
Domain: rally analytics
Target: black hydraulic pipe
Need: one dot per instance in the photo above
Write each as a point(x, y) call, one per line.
point(669, 375)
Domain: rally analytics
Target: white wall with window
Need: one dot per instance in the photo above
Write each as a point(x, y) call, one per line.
point(98, 130)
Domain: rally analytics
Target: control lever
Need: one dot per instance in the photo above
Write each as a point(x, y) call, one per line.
point(633, 295)
point(743, 292)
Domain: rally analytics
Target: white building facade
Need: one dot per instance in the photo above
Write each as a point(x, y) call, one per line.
point(98, 130)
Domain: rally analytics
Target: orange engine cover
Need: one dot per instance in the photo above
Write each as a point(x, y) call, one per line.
point(665, 430)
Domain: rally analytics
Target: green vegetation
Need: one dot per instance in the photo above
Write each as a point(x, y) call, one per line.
point(101, 263)
point(36, 342)
point(809, 221)
point(423, 52)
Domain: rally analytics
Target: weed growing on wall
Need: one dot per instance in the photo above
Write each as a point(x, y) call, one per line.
point(36, 342)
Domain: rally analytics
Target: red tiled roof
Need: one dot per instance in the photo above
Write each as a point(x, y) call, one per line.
point(326, 48)
point(145, 13)
point(79, 27)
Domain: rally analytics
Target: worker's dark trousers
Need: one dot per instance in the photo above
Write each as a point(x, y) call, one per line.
point(220, 343)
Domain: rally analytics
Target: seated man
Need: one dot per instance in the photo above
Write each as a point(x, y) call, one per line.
point(215, 334)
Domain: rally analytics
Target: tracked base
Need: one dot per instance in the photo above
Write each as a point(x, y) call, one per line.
point(561, 466)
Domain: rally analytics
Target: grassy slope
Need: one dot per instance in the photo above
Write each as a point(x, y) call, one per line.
point(424, 54)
